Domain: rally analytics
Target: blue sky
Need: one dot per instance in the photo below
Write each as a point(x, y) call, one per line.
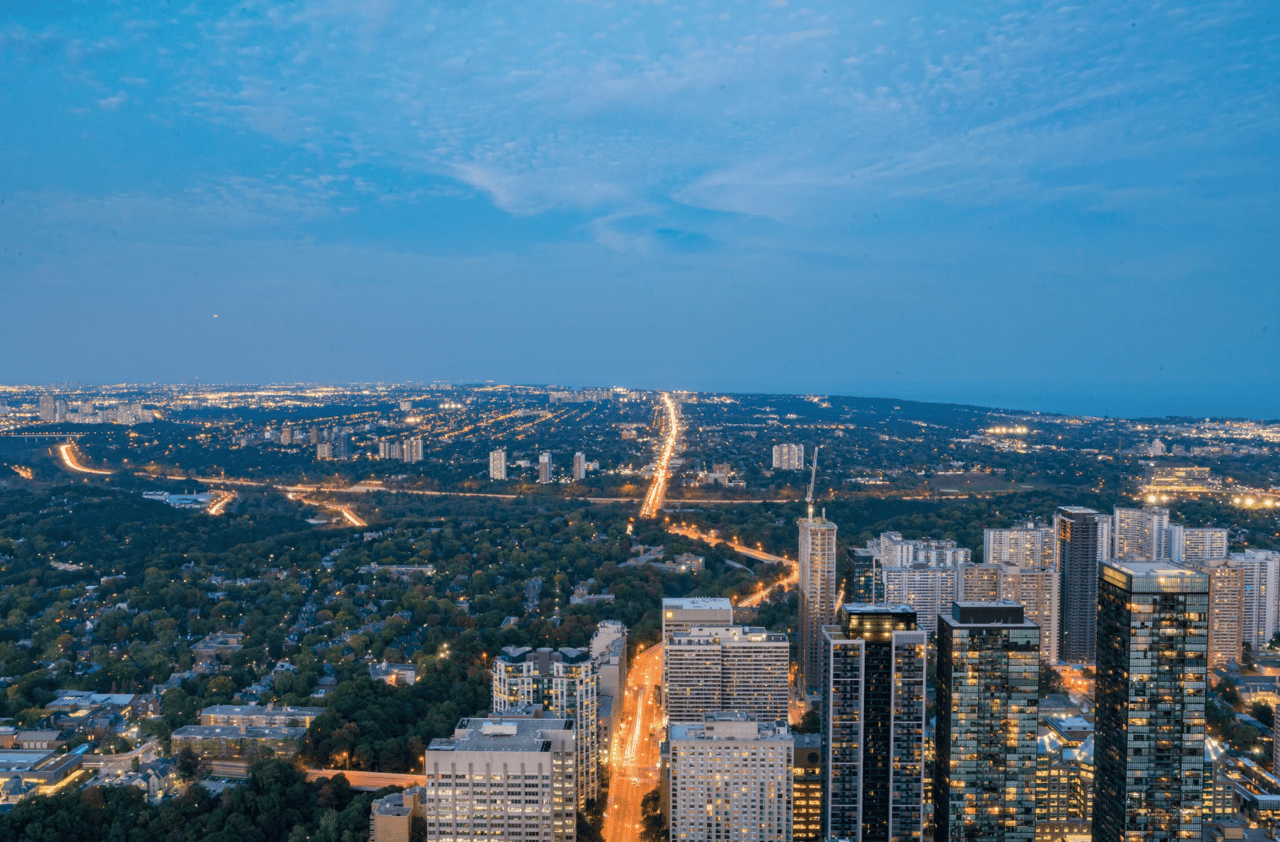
point(1053, 206)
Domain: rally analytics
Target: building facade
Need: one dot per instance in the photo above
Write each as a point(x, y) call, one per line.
point(1153, 627)
point(817, 586)
point(984, 780)
point(1026, 546)
point(730, 778)
point(1140, 534)
point(498, 464)
point(715, 668)
point(1084, 540)
point(928, 590)
point(873, 721)
point(1260, 595)
point(788, 457)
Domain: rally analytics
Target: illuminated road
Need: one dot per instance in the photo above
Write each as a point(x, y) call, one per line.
point(69, 459)
point(634, 754)
point(790, 581)
point(345, 511)
point(658, 491)
point(220, 505)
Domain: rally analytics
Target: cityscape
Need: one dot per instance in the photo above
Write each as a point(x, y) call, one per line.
point(473, 611)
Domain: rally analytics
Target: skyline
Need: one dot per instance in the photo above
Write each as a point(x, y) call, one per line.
point(1061, 208)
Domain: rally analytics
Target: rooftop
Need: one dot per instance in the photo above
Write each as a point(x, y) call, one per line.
point(498, 733)
point(697, 603)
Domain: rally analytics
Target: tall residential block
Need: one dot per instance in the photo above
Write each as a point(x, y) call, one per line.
point(411, 450)
point(896, 551)
point(1153, 627)
point(730, 780)
point(565, 683)
point(979, 582)
point(806, 789)
point(495, 778)
point(1084, 540)
point(788, 457)
point(1036, 589)
point(545, 467)
point(1260, 595)
point(579, 466)
point(817, 569)
point(1026, 546)
point(714, 668)
point(1140, 534)
point(1226, 611)
point(1190, 545)
point(498, 464)
point(928, 590)
point(680, 614)
point(873, 720)
point(984, 780)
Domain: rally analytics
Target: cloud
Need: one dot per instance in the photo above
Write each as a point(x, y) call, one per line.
point(111, 103)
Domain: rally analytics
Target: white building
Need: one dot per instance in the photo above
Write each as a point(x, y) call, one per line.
point(1037, 590)
point(495, 778)
point(682, 614)
point(788, 457)
point(730, 780)
point(579, 467)
point(1026, 546)
point(896, 551)
point(411, 450)
point(1260, 601)
point(928, 590)
point(1140, 534)
point(498, 464)
point(716, 668)
point(545, 467)
point(1195, 546)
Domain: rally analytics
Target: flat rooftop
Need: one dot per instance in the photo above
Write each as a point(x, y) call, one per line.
point(697, 603)
point(497, 733)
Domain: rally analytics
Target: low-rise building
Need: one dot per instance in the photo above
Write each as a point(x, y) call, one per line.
point(266, 716)
point(239, 742)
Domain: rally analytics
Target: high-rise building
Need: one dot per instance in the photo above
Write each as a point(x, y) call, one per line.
point(1026, 546)
point(806, 789)
point(498, 464)
point(817, 563)
point(1084, 540)
point(895, 551)
point(545, 468)
point(979, 582)
point(788, 457)
point(714, 668)
point(680, 614)
point(1153, 624)
point(1036, 589)
point(48, 408)
point(390, 450)
point(1226, 611)
point(324, 450)
point(873, 719)
point(1140, 534)
point(868, 584)
point(565, 683)
point(315, 435)
point(342, 447)
point(928, 590)
point(286, 435)
point(730, 778)
point(579, 467)
point(1260, 596)
point(495, 778)
point(411, 450)
point(985, 758)
point(1191, 545)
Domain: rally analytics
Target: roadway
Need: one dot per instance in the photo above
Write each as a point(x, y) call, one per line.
point(789, 581)
point(633, 772)
point(658, 490)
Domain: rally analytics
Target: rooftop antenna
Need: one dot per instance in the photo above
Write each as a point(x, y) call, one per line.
point(813, 476)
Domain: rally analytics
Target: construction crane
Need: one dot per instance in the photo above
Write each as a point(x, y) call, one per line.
point(808, 498)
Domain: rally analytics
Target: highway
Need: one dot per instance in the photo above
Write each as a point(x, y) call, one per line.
point(69, 459)
point(789, 581)
point(633, 756)
point(658, 490)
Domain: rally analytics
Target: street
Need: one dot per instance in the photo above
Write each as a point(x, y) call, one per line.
point(634, 764)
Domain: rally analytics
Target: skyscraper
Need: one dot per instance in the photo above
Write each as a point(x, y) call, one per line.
point(411, 450)
point(714, 668)
point(1190, 545)
point(1141, 534)
point(873, 717)
point(985, 760)
point(48, 408)
point(579, 466)
point(1150, 702)
point(806, 788)
point(545, 474)
point(817, 593)
point(565, 683)
point(788, 457)
point(979, 582)
point(498, 464)
point(1226, 611)
point(1260, 598)
point(1084, 540)
point(1036, 589)
point(927, 589)
point(1026, 546)
point(730, 780)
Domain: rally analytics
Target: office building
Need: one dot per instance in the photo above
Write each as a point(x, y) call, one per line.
point(579, 466)
point(928, 590)
point(1260, 596)
point(1192, 546)
point(1153, 626)
point(868, 584)
point(873, 721)
point(730, 779)
point(565, 683)
point(495, 778)
point(1140, 534)
point(1036, 589)
point(817, 586)
point(498, 464)
point(788, 457)
point(1084, 540)
point(985, 757)
point(545, 468)
point(1026, 546)
point(806, 789)
point(714, 668)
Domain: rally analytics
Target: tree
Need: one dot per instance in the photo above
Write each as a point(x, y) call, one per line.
point(1050, 680)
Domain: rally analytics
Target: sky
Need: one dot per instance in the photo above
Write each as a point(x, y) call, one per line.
point(1037, 206)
